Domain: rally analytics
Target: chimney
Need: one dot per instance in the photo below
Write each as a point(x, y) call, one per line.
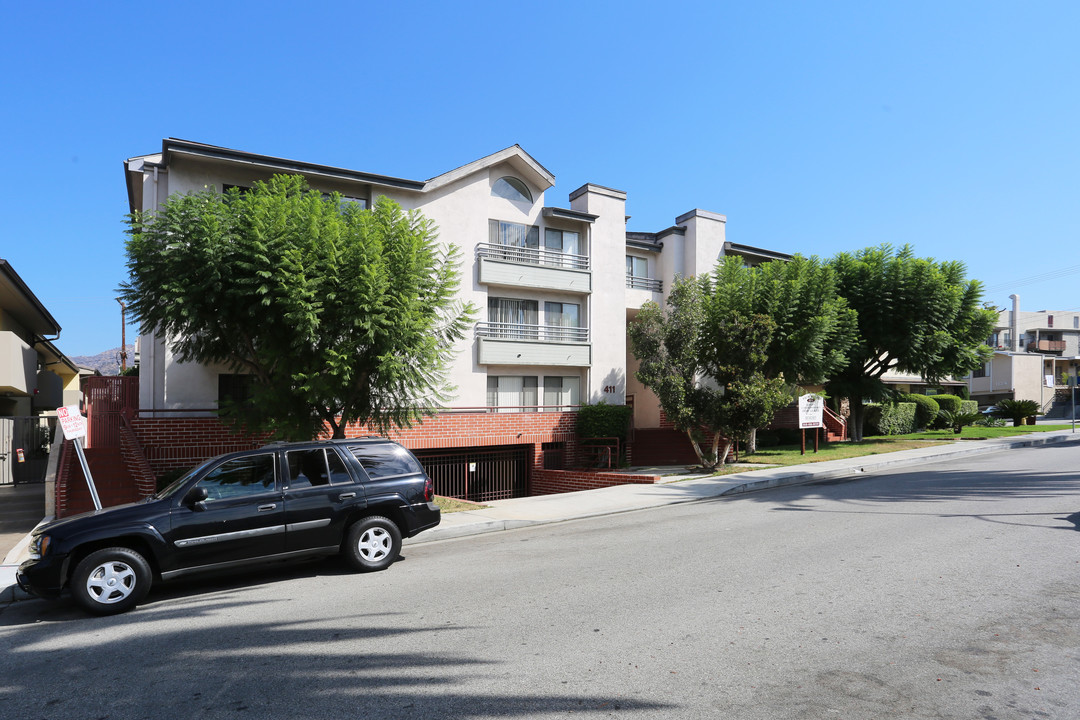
point(1014, 322)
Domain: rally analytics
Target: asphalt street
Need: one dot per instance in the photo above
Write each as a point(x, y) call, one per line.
point(946, 591)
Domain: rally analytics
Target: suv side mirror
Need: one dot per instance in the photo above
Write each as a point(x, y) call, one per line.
point(195, 497)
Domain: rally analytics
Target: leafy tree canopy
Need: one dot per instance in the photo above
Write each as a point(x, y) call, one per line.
point(339, 314)
point(705, 368)
point(915, 315)
point(812, 327)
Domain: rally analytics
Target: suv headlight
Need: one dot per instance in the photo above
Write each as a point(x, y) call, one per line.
point(39, 546)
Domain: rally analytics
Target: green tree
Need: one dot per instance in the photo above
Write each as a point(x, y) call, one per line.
point(706, 371)
point(812, 327)
point(339, 314)
point(915, 315)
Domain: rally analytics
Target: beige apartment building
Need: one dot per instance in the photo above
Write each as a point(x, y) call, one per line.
point(556, 283)
point(1036, 357)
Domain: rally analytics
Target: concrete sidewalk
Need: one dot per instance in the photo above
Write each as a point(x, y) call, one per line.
point(676, 488)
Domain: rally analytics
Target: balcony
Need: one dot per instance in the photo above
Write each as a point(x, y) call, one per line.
point(521, 344)
point(533, 267)
point(1047, 346)
point(636, 282)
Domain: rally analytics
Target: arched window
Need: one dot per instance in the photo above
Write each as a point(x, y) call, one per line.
point(512, 189)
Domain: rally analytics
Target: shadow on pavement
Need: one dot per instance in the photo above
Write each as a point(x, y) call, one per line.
point(140, 665)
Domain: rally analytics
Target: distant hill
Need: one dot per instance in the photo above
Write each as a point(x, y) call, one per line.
point(106, 363)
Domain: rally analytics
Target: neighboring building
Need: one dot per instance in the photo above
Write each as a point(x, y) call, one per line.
point(1036, 357)
point(35, 377)
point(556, 286)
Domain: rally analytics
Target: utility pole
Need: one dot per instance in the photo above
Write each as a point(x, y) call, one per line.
point(123, 336)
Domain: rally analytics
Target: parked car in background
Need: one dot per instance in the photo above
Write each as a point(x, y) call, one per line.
point(357, 497)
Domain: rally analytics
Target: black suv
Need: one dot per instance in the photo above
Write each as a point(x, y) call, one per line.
point(358, 497)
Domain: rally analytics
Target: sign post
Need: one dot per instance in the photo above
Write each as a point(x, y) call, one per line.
point(811, 414)
point(74, 426)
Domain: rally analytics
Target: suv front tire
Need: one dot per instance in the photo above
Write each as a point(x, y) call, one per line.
point(111, 580)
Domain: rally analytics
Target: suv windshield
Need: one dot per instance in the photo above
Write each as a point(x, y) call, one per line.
point(175, 484)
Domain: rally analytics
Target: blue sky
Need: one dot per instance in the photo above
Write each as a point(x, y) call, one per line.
point(816, 127)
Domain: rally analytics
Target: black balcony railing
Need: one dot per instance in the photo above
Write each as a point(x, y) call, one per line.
point(643, 283)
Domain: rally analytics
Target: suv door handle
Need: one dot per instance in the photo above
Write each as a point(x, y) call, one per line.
point(264, 508)
point(346, 496)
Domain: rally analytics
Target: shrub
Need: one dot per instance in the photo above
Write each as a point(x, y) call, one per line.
point(1016, 410)
point(969, 406)
point(603, 420)
point(957, 421)
point(926, 408)
point(890, 418)
point(948, 402)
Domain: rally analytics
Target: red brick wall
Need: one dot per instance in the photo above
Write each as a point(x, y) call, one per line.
point(550, 482)
point(171, 443)
point(112, 480)
point(154, 446)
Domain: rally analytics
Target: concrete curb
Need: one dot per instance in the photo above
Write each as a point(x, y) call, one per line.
point(548, 509)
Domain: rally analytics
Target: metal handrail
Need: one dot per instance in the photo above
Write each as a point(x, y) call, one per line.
point(532, 256)
point(637, 282)
point(522, 331)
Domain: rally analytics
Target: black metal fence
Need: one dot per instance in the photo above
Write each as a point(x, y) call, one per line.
point(24, 449)
point(479, 474)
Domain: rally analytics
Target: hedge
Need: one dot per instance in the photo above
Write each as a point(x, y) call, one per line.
point(948, 402)
point(969, 406)
point(926, 410)
point(603, 420)
point(891, 418)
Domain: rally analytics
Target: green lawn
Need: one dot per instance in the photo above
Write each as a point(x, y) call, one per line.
point(790, 455)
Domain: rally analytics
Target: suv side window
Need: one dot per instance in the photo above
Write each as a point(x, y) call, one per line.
point(252, 475)
point(307, 468)
point(385, 460)
point(339, 474)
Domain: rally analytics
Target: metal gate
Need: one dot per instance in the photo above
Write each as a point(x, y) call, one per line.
point(24, 448)
point(479, 474)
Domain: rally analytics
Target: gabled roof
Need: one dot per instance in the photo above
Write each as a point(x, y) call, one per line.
point(523, 164)
point(17, 299)
point(521, 161)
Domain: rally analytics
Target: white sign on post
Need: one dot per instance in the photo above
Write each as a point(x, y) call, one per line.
point(74, 426)
point(72, 421)
point(811, 411)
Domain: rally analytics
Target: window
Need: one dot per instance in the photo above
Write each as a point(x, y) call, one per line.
point(512, 392)
point(561, 391)
point(511, 188)
point(385, 460)
point(311, 468)
point(637, 266)
point(982, 371)
point(1049, 321)
point(513, 318)
point(347, 201)
point(307, 468)
point(563, 241)
point(513, 234)
point(562, 315)
point(252, 475)
point(233, 388)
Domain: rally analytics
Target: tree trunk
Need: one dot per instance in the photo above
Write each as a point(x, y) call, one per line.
point(751, 443)
point(697, 449)
point(856, 418)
